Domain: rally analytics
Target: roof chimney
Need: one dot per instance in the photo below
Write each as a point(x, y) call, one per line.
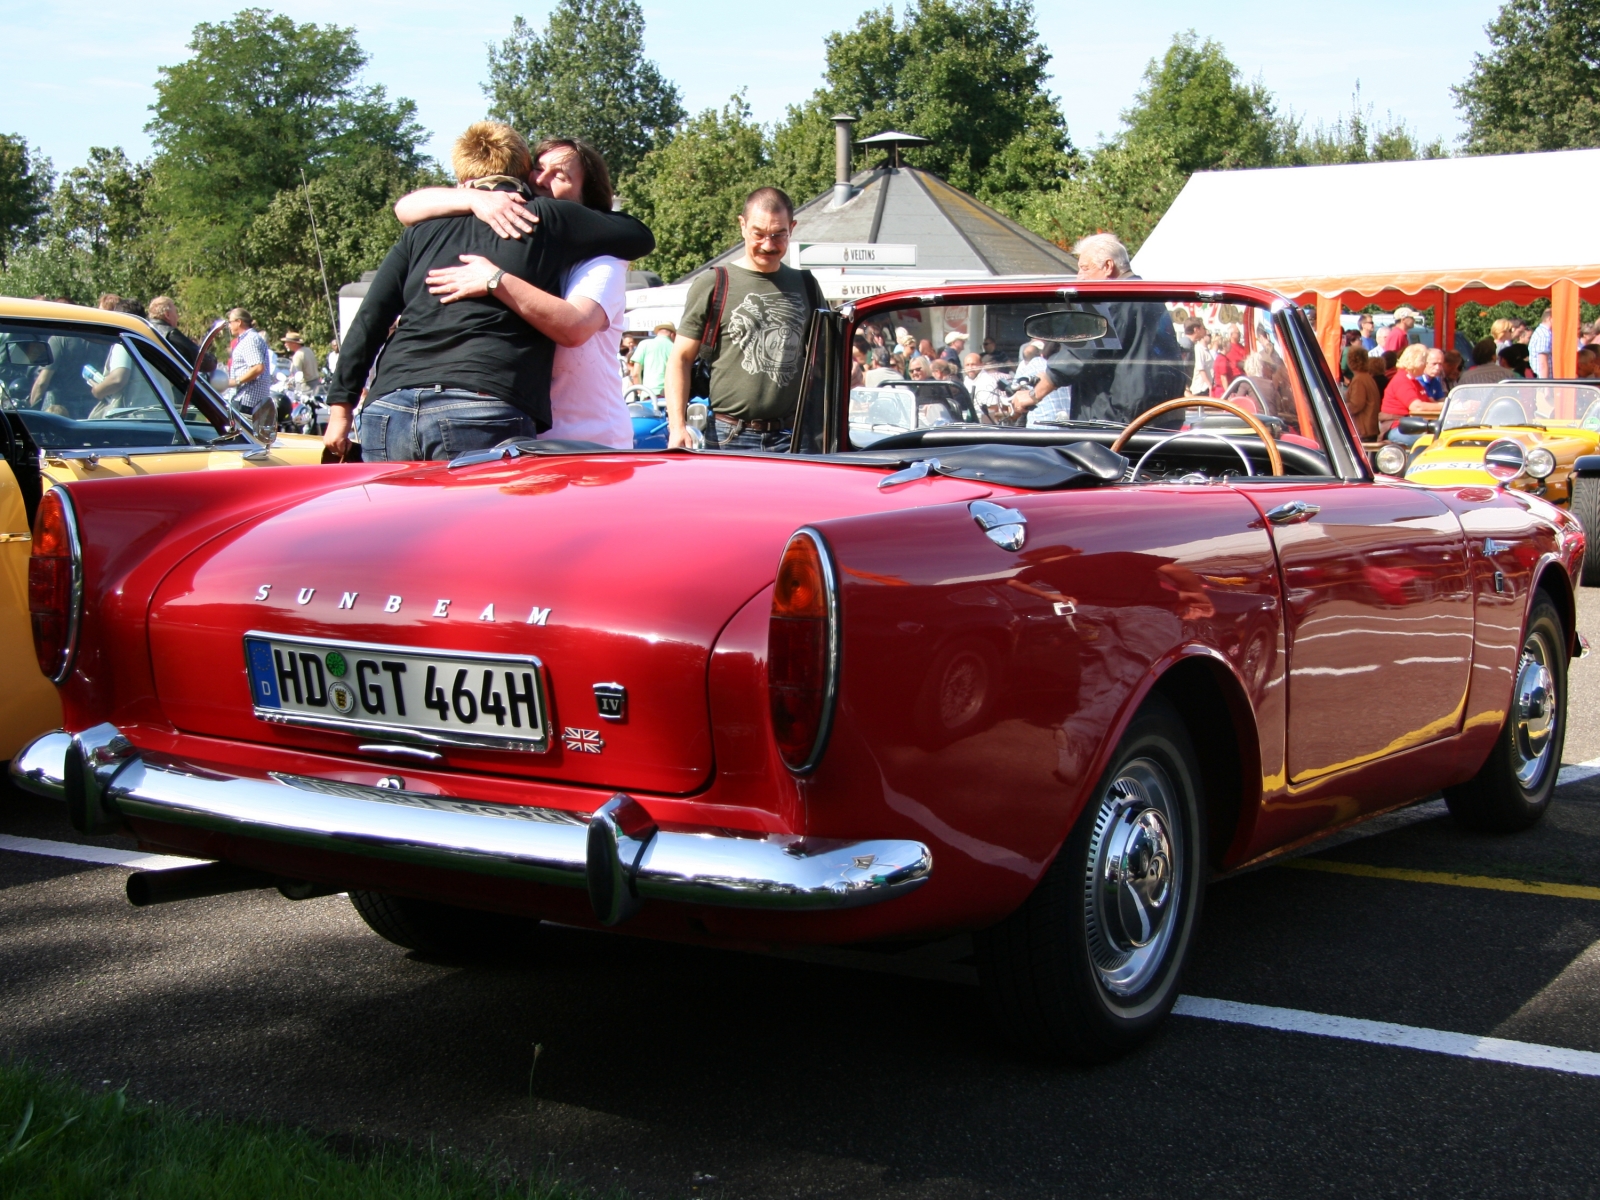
point(842, 191)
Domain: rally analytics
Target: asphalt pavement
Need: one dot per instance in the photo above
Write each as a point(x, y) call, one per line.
point(673, 1071)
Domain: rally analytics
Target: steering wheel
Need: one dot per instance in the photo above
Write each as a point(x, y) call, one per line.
point(1274, 459)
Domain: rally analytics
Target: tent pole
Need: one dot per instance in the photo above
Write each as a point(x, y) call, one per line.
point(1445, 334)
point(1329, 330)
point(1564, 327)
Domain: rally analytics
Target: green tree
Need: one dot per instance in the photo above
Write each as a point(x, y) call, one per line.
point(690, 191)
point(24, 193)
point(1538, 88)
point(259, 99)
point(1356, 138)
point(354, 205)
point(96, 236)
point(586, 76)
point(1125, 189)
point(968, 74)
point(1195, 103)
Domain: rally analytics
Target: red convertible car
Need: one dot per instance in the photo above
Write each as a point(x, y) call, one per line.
point(1034, 667)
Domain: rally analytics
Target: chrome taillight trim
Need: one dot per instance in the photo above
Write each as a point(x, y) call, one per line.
point(830, 684)
point(69, 515)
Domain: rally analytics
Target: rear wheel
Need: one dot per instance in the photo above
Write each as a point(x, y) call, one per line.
point(1089, 966)
point(1586, 507)
point(442, 929)
point(1513, 788)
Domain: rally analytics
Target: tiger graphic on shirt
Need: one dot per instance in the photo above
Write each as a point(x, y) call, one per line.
point(767, 328)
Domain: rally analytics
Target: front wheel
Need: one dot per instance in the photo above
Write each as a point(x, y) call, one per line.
point(1513, 788)
point(1586, 507)
point(1089, 966)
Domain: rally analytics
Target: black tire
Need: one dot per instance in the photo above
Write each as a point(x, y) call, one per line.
point(1586, 507)
point(1514, 786)
point(443, 930)
point(1062, 975)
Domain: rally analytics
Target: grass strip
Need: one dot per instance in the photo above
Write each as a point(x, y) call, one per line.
point(1492, 883)
point(59, 1140)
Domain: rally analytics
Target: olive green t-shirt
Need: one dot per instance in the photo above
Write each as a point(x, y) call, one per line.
point(755, 365)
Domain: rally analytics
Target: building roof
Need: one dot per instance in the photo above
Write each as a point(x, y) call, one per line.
point(1453, 224)
point(951, 230)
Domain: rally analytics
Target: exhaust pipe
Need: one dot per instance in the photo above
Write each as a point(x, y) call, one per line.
point(190, 883)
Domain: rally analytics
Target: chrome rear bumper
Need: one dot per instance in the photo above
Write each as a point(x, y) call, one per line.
point(617, 853)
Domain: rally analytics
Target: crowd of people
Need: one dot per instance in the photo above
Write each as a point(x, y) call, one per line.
point(1394, 375)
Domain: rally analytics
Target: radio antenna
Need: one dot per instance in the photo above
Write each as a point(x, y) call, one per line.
point(316, 240)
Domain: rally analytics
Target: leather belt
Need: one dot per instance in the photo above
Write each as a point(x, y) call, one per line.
point(754, 426)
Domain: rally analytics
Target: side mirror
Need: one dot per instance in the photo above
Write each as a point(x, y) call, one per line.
point(1413, 426)
point(1073, 327)
point(261, 417)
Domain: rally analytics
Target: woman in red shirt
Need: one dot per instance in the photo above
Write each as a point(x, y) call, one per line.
point(1401, 398)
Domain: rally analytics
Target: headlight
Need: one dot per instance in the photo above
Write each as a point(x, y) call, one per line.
point(1540, 462)
point(1392, 459)
point(1504, 460)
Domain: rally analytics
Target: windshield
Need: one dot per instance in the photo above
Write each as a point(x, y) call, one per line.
point(1522, 403)
point(995, 365)
point(92, 388)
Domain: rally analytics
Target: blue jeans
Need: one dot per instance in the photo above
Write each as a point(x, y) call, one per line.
point(720, 436)
point(418, 424)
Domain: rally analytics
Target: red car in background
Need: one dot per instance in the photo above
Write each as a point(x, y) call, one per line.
point(1034, 671)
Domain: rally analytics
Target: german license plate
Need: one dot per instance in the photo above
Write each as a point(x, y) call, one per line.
point(457, 699)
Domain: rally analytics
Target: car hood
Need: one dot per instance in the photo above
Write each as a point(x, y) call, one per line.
point(609, 569)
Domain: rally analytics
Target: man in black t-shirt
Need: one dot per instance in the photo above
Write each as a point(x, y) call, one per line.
point(470, 374)
point(761, 337)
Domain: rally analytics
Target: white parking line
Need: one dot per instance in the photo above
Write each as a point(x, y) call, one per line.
point(1578, 772)
point(1384, 1033)
point(104, 855)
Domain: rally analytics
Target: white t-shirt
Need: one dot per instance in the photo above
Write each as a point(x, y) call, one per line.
point(585, 390)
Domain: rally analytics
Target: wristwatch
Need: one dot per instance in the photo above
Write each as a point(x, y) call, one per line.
point(494, 280)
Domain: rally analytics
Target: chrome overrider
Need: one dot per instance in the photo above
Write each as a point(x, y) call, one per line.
point(618, 853)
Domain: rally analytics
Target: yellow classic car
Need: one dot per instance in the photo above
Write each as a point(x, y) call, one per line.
point(1524, 434)
point(86, 394)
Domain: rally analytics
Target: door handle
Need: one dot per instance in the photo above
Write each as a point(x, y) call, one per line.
point(1293, 512)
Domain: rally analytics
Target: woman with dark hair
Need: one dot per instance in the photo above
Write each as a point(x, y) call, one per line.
point(585, 321)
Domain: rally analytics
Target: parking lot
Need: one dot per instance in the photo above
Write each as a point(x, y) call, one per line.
point(670, 1071)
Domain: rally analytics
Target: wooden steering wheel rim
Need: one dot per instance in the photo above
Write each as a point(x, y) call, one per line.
point(1274, 459)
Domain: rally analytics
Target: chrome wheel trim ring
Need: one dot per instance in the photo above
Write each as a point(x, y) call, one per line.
point(1535, 712)
point(1134, 878)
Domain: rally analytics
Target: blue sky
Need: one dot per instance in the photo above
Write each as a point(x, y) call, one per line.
point(79, 75)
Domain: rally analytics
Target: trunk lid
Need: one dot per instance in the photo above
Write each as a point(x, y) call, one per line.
point(610, 570)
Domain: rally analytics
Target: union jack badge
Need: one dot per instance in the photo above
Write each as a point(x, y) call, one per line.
point(584, 741)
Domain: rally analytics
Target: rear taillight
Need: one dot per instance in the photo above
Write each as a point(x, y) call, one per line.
point(803, 650)
point(55, 584)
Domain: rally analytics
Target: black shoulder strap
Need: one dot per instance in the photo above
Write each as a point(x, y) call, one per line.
point(814, 292)
point(711, 329)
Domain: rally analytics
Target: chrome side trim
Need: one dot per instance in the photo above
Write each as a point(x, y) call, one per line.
point(699, 866)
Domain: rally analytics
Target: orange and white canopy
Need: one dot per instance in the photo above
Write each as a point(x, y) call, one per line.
point(1433, 232)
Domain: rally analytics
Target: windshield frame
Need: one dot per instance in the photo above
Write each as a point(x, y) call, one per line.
point(1510, 385)
point(144, 344)
point(1335, 427)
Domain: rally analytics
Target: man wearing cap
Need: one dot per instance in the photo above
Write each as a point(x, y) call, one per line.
point(1398, 336)
point(302, 359)
point(955, 345)
point(650, 357)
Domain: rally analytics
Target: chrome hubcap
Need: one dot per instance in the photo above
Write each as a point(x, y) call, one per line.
point(1535, 712)
point(1134, 877)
